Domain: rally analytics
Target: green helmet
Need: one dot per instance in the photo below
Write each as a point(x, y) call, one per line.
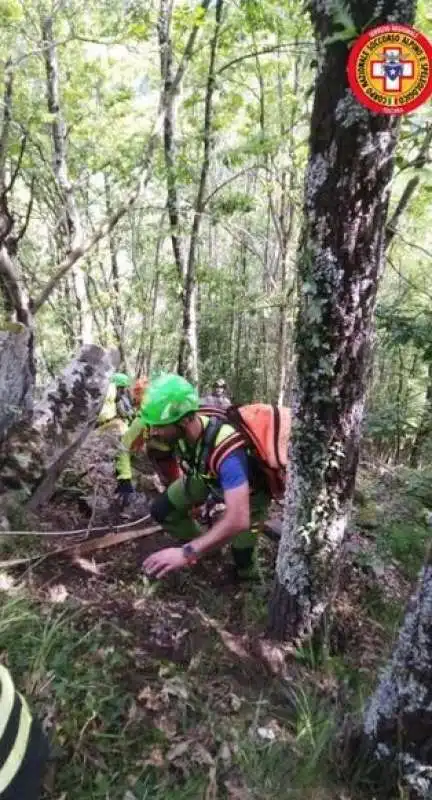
point(168, 399)
point(121, 380)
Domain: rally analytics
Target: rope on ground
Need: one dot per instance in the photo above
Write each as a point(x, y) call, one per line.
point(78, 531)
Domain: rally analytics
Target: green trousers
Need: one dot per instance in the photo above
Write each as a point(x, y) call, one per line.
point(176, 517)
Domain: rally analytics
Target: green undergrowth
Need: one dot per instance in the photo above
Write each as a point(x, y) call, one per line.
point(124, 723)
point(404, 542)
point(395, 510)
point(129, 724)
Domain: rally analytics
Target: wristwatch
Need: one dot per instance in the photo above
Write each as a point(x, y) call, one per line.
point(190, 554)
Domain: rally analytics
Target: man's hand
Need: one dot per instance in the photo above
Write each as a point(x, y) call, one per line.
point(160, 564)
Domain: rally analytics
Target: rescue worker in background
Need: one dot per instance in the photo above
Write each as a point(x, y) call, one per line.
point(218, 463)
point(118, 401)
point(219, 397)
point(24, 749)
point(138, 391)
point(134, 440)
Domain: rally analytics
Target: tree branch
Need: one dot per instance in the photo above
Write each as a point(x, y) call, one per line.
point(189, 286)
point(229, 180)
point(188, 51)
point(110, 222)
point(166, 61)
point(18, 164)
point(23, 230)
point(7, 116)
point(418, 163)
point(15, 297)
point(275, 48)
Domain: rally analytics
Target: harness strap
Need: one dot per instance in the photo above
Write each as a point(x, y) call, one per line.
point(209, 439)
point(202, 458)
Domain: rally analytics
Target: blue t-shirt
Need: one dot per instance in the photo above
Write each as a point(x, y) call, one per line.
point(233, 472)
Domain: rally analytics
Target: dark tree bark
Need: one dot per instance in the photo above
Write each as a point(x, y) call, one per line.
point(339, 262)
point(398, 718)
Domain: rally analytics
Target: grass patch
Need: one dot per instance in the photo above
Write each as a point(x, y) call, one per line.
point(405, 542)
point(75, 679)
point(84, 679)
point(389, 615)
point(301, 762)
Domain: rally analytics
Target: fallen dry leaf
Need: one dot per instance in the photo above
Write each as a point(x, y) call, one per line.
point(7, 583)
point(236, 703)
point(200, 755)
point(155, 759)
point(236, 791)
point(88, 565)
point(48, 719)
point(225, 754)
point(178, 750)
point(151, 699)
point(174, 687)
point(167, 725)
point(57, 593)
point(267, 734)
point(133, 713)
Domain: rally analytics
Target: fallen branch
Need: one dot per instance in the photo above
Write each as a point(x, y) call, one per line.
point(78, 549)
point(113, 539)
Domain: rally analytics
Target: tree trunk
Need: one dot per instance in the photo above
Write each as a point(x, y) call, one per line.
point(70, 222)
point(287, 219)
point(36, 453)
point(340, 260)
point(398, 718)
point(424, 431)
point(167, 73)
point(117, 315)
point(16, 375)
point(17, 361)
point(188, 351)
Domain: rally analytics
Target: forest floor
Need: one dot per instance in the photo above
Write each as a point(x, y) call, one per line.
point(170, 689)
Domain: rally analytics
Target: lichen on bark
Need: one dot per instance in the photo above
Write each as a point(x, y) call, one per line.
point(398, 717)
point(340, 261)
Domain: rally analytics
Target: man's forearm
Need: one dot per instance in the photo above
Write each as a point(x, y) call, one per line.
point(219, 533)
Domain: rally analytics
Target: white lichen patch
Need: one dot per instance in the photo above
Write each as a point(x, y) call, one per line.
point(325, 267)
point(316, 175)
point(404, 690)
point(349, 111)
point(324, 7)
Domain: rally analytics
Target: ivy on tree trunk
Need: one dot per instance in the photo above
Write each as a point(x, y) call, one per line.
point(351, 155)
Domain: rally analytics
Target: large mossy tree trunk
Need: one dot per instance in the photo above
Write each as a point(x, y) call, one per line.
point(340, 259)
point(398, 718)
point(36, 452)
